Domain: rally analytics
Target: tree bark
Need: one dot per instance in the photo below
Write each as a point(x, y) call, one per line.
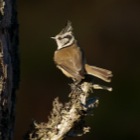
point(9, 67)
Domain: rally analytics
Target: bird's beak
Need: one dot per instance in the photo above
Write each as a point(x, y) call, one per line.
point(53, 38)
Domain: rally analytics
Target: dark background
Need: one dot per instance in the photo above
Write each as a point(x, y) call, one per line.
point(109, 33)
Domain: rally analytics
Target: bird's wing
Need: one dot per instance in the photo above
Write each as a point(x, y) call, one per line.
point(71, 62)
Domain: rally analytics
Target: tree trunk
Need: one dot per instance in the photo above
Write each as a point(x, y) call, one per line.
point(9, 67)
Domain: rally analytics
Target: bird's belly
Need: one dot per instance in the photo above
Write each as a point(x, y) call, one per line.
point(65, 72)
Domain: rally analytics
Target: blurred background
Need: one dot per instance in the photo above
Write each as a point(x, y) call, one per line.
point(109, 33)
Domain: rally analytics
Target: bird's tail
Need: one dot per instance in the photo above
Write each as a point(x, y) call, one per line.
point(99, 72)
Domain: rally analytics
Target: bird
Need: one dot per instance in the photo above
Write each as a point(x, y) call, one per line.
point(69, 58)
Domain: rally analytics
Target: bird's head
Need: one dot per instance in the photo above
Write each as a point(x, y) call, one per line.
point(65, 38)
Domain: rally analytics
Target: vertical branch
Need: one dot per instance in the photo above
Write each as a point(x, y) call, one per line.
point(9, 67)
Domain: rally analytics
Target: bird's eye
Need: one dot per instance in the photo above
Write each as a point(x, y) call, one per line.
point(59, 38)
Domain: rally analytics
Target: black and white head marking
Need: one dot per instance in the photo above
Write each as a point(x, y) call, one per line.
point(65, 37)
